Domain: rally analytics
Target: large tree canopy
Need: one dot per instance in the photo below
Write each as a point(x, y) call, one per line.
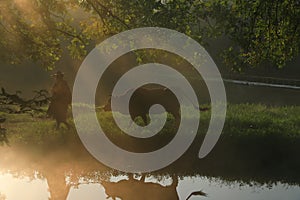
point(261, 31)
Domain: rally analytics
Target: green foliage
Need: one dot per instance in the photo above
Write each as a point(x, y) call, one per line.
point(25, 34)
point(41, 30)
point(37, 31)
point(263, 31)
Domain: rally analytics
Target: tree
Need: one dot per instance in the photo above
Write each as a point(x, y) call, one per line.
point(42, 30)
point(262, 31)
point(37, 30)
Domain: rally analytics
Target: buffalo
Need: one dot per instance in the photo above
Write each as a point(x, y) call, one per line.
point(143, 98)
point(133, 189)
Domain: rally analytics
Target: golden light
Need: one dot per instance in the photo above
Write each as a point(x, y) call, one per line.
point(23, 4)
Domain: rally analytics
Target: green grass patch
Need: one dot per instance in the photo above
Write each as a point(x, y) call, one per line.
point(243, 120)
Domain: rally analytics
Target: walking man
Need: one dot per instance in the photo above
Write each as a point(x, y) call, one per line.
point(60, 100)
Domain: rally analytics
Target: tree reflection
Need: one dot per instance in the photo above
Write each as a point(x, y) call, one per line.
point(2, 197)
point(58, 187)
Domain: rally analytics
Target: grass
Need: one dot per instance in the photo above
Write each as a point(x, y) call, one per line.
point(249, 120)
point(242, 121)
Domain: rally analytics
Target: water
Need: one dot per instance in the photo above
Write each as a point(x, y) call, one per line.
point(262, 94)
point(59, 174)
point(16, 188)
point(239, 92)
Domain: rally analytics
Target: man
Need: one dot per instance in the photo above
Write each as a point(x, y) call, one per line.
point(60, 100)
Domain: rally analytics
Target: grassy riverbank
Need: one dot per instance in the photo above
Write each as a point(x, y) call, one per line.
point(243, 121)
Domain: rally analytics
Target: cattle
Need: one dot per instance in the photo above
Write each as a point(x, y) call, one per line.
point(143, 98)
point(134, 189)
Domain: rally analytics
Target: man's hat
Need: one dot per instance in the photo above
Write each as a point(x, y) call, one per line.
point(58, 73)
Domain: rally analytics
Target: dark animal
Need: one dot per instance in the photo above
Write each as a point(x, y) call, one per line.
point(143, 98)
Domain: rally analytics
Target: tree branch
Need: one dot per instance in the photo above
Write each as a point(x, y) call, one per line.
point(70, 35)
point(107, 11)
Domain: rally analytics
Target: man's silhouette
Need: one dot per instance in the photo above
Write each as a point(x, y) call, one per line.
point(60, 100)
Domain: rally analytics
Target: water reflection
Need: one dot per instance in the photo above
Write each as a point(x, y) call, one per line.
point(16, 188)
point(133, 189)
point(163, 187)
point(57, 185)
point(70, 173)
